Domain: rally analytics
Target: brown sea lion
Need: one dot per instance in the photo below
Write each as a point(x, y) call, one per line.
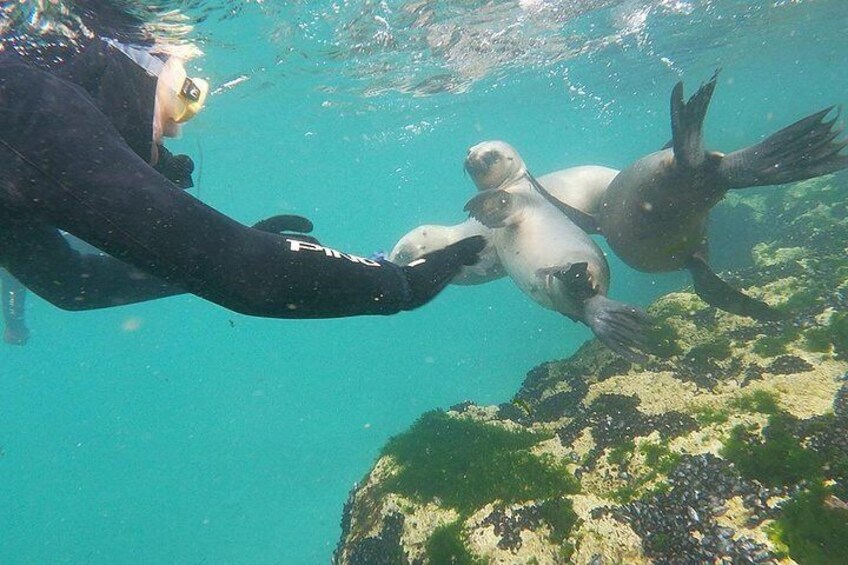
point(654, 213)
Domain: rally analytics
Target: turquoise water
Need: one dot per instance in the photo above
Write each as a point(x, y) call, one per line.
point(177, 432)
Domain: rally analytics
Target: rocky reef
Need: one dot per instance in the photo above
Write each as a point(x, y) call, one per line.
point(729, 446)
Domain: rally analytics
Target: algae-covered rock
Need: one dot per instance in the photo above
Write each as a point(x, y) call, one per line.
point(728, 446)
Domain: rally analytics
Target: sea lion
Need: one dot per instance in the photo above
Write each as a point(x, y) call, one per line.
point(551, 259)
point(654, 213)
point(431, 237)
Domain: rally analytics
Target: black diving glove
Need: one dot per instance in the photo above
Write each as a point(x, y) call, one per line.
point(175, 168)
point(431, 273)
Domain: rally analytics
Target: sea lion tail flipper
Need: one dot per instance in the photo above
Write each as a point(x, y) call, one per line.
point(687, 120)
point(721, 295)
point(803, 150)
point(493, 208)
point(584, 221)
point(623, 328)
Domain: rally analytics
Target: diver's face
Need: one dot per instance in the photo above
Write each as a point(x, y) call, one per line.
point(492, 164)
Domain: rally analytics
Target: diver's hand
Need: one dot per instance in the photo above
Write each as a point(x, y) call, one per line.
point(428, 275)
point(175, 168)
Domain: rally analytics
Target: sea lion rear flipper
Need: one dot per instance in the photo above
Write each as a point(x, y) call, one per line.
point(584, 221)
point(687, 120)
point(492, 208)
point(621, 327)
point(803, 150)
point(721, 295)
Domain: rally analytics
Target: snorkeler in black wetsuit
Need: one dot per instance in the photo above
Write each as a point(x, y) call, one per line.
point(75, 155)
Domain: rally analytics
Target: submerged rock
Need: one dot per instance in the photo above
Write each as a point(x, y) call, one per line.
point(729, 447)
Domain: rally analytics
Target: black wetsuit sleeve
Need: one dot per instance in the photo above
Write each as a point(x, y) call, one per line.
point(70, 168)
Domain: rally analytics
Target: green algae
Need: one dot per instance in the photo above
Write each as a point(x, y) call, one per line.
point(446, 545)
point(761, 401)
point(559, 514)
point(712, 351)
point(622, 452)
point(772, 346)
point(817, 340)
point(663, 340)
point(778, 459)
point(812, 532)
point(707, 416)
point(831, 337)
point(466, 464)
point(659, 457)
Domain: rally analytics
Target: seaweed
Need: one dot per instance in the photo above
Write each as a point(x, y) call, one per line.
point(446, 545)
point(814, 532)
point(467, 464)
point(761, 401)
point(778, 459)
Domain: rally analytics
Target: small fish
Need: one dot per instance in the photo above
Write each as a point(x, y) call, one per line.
point(230, 84)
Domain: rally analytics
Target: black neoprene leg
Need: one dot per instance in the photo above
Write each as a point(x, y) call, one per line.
point(46, 263)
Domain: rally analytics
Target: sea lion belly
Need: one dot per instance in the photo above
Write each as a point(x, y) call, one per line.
point(544, 241)
point(651, 215)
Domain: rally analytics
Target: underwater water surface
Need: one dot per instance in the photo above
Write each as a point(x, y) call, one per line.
point(178, 432)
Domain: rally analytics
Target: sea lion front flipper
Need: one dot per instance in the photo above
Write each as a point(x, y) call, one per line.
point(493, 208)
point(687, 120)
point(721, 295)
point(621, 327)
point(584, 221)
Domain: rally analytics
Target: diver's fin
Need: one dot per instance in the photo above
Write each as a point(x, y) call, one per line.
point(492, 208)
point(284, 223)
point(621, 327)
point(14, 309)
point(584, 221)
point(687, 120)
point(721, 295)
point(803, 150)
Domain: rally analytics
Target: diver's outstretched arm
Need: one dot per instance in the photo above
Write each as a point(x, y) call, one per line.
point(68, 167)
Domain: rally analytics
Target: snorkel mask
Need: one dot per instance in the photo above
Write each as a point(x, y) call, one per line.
point(178, 97)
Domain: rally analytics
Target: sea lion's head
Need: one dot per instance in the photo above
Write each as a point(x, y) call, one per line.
point(420, 241)
point(494, 164)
